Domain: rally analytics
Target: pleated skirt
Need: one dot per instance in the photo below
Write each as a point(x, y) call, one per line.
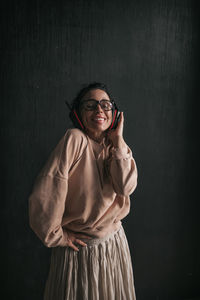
point(102, 270)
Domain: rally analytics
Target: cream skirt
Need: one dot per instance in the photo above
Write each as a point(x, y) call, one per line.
point(102, 270)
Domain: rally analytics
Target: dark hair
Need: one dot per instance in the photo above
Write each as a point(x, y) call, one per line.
point(86, 88)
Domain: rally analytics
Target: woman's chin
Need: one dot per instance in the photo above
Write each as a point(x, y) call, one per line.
point(99, 128)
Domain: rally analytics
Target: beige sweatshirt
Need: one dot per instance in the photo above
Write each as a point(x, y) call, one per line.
point(83, 187)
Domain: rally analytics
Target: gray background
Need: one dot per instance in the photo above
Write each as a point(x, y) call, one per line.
point(147, 52)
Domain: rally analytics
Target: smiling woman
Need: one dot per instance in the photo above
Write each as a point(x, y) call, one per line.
point(79, 199)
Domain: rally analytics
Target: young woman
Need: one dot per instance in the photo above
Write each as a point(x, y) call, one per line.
point(79, 199)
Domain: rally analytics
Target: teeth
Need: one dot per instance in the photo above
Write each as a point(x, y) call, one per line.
point(98, 119)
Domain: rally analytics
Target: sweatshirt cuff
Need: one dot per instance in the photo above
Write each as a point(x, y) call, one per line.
point(121, 153)
point(63, 242)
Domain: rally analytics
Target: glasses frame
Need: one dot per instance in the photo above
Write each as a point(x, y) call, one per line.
point(97, 102)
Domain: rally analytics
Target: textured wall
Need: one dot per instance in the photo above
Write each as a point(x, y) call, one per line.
point(147, 53)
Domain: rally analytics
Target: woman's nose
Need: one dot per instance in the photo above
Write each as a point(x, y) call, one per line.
point(98, 107)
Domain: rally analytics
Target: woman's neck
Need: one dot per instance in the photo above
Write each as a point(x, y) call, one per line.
point(96, 136)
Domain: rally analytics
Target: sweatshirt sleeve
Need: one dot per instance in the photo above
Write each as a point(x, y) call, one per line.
point(123, 171)
point(48, 196)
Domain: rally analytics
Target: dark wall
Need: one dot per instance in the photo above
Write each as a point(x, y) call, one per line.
point(147, 53)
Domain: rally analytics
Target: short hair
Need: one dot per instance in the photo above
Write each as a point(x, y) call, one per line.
point(86, 88)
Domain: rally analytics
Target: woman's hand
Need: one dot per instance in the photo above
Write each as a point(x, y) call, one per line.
point(116, 135)
point(74, 238)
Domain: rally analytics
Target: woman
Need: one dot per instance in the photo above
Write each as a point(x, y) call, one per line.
point(78, 201)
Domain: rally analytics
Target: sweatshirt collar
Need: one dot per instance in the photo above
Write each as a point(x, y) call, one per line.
point(98, 147)
point(104, 143)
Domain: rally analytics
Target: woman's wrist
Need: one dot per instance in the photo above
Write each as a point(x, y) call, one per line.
point(118, 142)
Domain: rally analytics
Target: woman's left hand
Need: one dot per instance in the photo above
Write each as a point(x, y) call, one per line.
point(116, 135)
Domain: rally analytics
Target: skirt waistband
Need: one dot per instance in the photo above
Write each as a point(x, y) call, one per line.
point(96, 241)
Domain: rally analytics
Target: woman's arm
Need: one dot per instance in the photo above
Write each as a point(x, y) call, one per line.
point(46, 208)
point(48, 197)
point(123, 169)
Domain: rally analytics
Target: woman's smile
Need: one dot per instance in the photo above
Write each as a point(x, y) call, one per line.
point(99, 119)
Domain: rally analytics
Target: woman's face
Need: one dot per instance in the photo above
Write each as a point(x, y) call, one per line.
point(96, 121)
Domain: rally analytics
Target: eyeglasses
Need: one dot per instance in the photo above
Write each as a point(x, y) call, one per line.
point(92, 104)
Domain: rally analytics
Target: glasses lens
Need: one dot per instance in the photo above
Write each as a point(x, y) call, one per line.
point(106, 105)
point(92, 104)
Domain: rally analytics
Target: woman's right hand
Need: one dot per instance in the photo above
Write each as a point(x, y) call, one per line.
point(73, 237)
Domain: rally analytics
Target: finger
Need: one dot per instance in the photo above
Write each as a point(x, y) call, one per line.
point(121, 122)
point(81, 242)
point(122, 116)
point(73, 247)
